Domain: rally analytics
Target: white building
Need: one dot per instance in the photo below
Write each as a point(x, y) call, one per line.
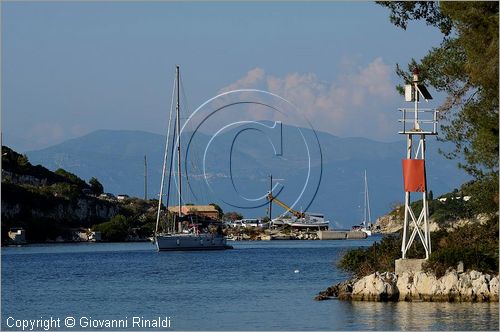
point(17, 235)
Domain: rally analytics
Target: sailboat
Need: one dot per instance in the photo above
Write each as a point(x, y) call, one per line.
point(366, 225)
point(177, 238)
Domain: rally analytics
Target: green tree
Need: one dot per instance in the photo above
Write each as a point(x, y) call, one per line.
point(404, 11)
point(71, 177)
point(465, 67)
point(116, 229)
point(96, 186)
point(232, 216)
point(22, 161)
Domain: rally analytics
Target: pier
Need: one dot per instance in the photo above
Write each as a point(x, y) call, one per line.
point(341, 235)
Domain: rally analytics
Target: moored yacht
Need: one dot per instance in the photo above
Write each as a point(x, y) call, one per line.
point(366, 225)
point(312, 221)
point(177, 238)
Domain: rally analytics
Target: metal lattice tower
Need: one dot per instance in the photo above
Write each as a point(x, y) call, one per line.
point(417, 124)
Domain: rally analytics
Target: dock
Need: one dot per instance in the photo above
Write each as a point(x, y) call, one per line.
point(341, 235)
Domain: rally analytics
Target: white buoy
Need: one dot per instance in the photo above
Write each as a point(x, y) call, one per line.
point(296, 271)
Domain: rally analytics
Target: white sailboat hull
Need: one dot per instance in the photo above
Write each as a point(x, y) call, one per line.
point(188, 242)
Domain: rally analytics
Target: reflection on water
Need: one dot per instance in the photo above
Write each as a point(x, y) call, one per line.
point(425, 315)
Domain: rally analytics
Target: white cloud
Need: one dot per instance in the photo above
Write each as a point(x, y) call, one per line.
point(356, 103)
point(252, 79)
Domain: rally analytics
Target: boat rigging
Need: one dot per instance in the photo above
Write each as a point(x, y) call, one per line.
point(177, 238)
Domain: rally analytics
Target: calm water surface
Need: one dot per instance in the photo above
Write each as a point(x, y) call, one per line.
point(267, 285)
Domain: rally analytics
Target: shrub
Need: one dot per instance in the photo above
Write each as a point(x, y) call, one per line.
point(475, 245)
point(474, 258)
point(352, 261)
point(378, 257)
point(117, 229)
point(71, 178)
point(69, 191)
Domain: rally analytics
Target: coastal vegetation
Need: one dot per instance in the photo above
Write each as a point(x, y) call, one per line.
point(475, 245)
point(56, 206)
point(462, 203)
point(50, 205)
point(465, 67)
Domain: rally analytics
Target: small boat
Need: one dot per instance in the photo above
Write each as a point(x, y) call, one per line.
point(179, 239)
point(278, 222)
point(311, 221)
point(366, 225)
point(298, 219)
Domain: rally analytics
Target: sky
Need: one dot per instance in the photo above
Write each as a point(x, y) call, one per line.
point(69, 68)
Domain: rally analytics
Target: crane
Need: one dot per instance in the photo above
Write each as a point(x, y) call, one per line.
point(296, 213)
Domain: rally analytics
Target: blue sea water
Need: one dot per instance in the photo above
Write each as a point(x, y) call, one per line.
point(268, 285)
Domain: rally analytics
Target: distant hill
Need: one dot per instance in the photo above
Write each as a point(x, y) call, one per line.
point(116, 158)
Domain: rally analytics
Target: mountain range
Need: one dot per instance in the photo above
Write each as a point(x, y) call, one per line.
point(233, 170)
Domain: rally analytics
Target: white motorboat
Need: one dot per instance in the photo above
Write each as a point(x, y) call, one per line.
point(310, 220)
point(297, 219)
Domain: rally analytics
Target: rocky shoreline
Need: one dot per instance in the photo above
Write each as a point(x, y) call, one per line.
point(393, 222)
point(470, 286)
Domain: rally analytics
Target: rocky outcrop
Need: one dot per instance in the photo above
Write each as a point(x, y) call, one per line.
point(392, 223)
point(342, 290)
point(451, 225)
point(83, 210)
point(387, 224)
point(24, 179)
point(376, 287)
point(470, 286)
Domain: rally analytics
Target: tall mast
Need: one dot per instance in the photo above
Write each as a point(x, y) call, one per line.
point(367, 202)
point(145, 178)
point(178, 107)
point(364, 209)
point(164, 167)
